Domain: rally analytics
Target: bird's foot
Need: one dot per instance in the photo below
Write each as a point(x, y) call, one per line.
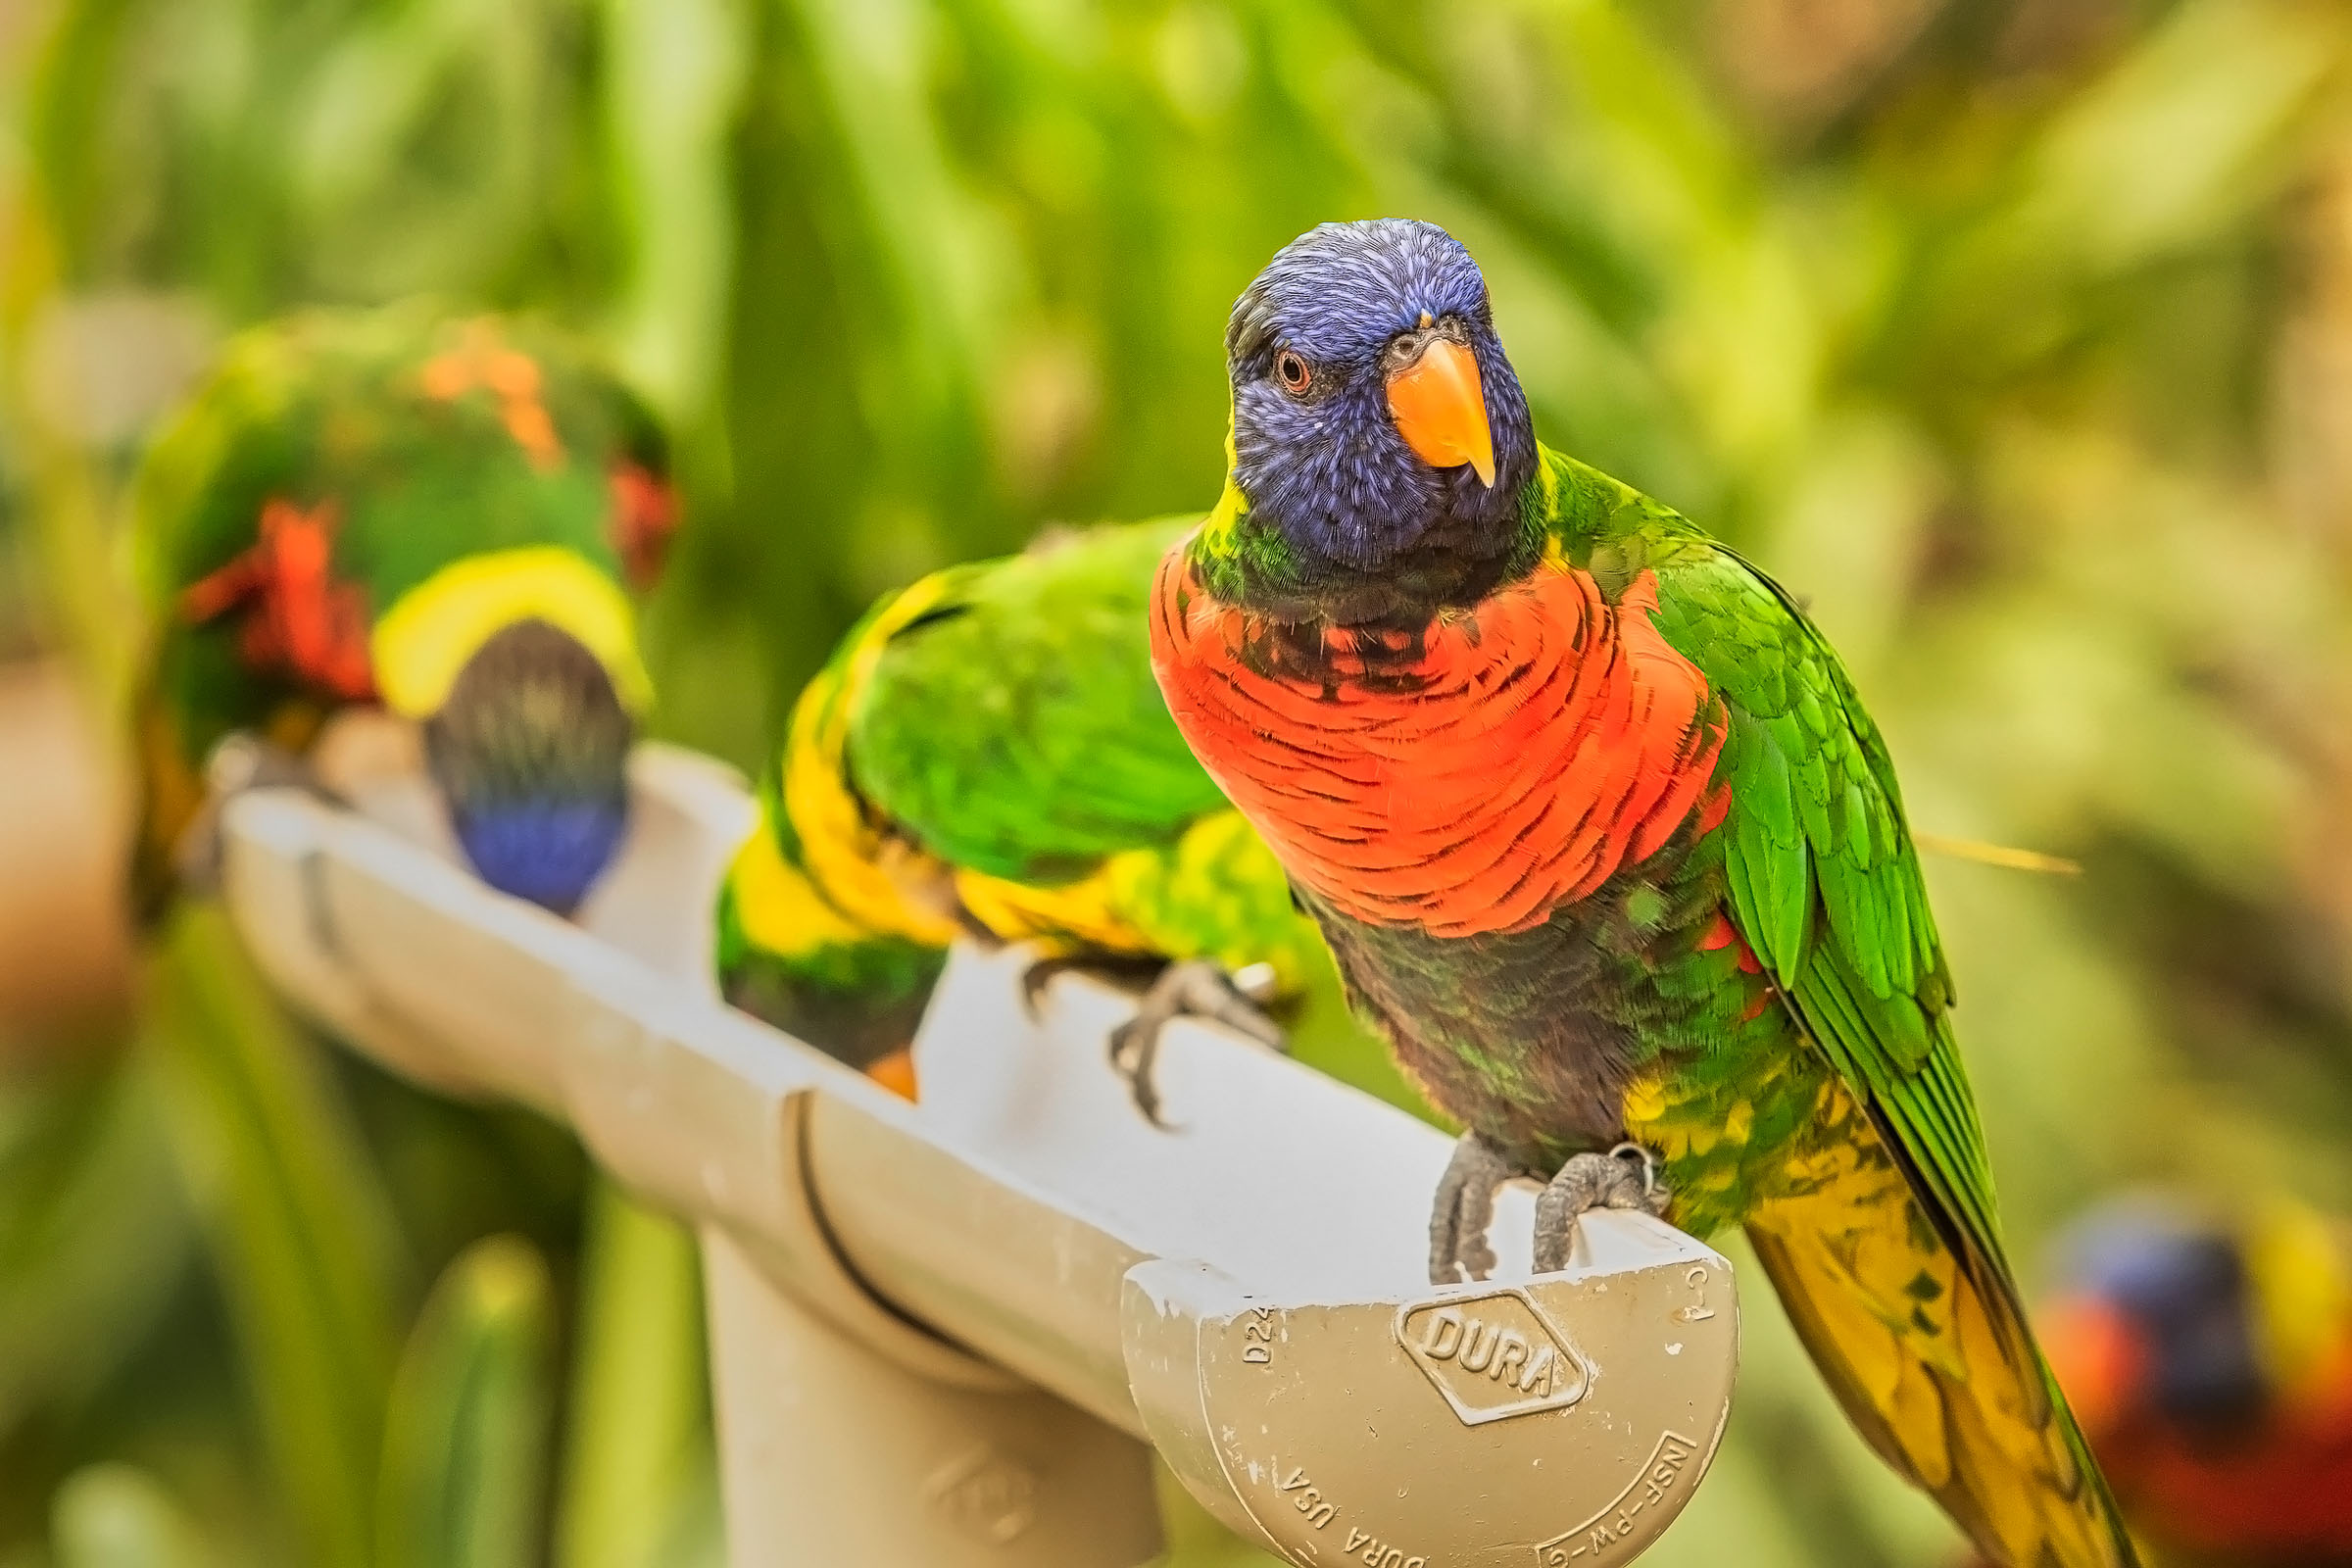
point(242, 760)
point(1465, 1209)
point(1626, 1177)
point(1130, 972)
point(1039, 976)
point(1195, 989)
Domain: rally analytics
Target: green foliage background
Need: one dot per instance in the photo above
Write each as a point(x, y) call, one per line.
point(2016, 334)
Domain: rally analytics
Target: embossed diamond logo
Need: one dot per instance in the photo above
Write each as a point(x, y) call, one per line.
point(1493, 1356)
point(987, 1495)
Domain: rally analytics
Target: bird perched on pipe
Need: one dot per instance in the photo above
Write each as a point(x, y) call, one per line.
point(2210, 1358)
point(439, 517)
point(986, 754)
point(1606, 843)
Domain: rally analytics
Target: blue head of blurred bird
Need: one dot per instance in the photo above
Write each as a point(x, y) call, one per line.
point(2179, 1312)
point(530, 753)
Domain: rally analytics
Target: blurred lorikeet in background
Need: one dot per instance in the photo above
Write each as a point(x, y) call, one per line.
point(2211, 1362)
point(442, 516)
point(987, 753)
point(1604, 842)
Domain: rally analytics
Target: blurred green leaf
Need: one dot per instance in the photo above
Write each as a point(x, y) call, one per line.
point(637, 1461)
point(419, 146)
point(2180, 140)
point(93, 1233)
point(300, 1233)
point(466, 1436)
point(677, 74)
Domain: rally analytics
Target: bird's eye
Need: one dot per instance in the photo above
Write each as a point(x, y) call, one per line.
point(1293, 371)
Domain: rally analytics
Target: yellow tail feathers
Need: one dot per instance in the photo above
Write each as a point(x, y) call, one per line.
point(1936, 1369)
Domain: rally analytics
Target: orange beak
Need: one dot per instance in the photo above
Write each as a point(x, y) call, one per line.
point(1440, 410)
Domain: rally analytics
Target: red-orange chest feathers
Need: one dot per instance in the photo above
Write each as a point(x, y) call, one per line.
point(1470, 778)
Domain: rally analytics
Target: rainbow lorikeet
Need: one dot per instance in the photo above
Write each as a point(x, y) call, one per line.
point(1605, 843)
point(2211, 1361)
point(442, 517)
point(986, 752)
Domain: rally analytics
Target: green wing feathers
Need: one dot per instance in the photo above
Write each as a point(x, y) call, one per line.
point(1014, 729)
point(1890, 1262)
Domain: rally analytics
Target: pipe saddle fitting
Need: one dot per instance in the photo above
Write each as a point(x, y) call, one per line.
point(1563, 1419)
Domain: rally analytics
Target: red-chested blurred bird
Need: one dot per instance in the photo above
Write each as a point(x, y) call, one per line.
point(2210, 1360)
point(1603, 840)
point(440, 516)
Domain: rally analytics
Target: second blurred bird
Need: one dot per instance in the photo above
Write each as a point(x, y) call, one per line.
point(2209, 1357)
point(441, 514)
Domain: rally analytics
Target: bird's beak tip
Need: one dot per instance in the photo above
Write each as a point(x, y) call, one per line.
point(1440, 406)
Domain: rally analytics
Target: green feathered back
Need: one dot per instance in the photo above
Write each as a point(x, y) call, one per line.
point(338, 406)
point(1015, 731)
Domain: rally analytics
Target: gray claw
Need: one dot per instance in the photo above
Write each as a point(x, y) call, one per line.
point(1465, 1209)
point(1626, 1177)
point(1040, 976)
point(1195, 989)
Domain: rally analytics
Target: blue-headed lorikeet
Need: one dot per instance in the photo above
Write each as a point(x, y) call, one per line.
point(986, 752)
point(1606, 843)
point(2211, 1361)
point(441, 514)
